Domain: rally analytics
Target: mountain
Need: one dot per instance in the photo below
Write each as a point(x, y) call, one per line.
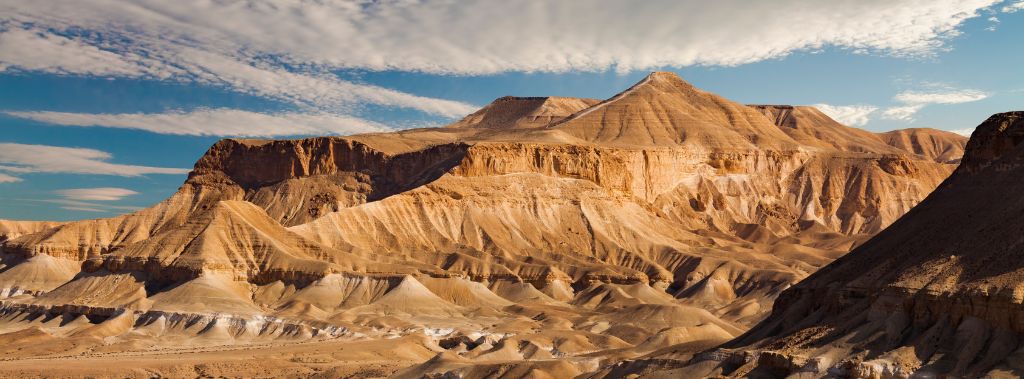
point(664, 110)
point(12, 229)
point(810, 127)
point(937, 294)
point(939, 145)
point(532, 229)
point(511, 112)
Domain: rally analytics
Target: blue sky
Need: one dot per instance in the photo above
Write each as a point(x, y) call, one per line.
point(105, 105)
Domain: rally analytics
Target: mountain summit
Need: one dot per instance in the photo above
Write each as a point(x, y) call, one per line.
point(664, 110)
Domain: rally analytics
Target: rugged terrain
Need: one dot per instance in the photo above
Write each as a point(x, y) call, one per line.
point(541, 236)
point(937, 294)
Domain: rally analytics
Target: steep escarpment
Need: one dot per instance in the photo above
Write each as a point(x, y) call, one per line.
point(297, 181)
point(928, 295)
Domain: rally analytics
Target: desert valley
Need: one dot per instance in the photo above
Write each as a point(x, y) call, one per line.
point(663, 232)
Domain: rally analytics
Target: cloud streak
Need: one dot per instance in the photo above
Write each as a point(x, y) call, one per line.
point(86, 206)
point(214, 122)
point(4, 178)
point(96, 194)
point(852, 115)
point(964, 132)
point(1013, 7)
point(23, 158)
point(914, 101)
point(263, 40)
point(940, 97)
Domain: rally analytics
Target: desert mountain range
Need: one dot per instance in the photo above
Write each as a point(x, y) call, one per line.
point(537, 236)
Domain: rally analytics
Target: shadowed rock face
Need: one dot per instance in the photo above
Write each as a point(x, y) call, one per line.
point(582, 225)
point(937, 293)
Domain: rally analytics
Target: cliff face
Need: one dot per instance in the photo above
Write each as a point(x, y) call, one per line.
point(947, 291)
point(298, 181)
point(664, 199)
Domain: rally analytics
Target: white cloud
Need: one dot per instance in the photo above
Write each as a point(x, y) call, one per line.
point(950, 96)
point(902, 113)
point(964, 132)
point(993, 21)
point(24, 158)
point(52, 53)
point(4, 178)
point(914, 101)
point(852, 115)
point(96, 194)
point(259, 38)
point(1016, 6)
point(215, 122)
point(86, 206)
point(140, 55)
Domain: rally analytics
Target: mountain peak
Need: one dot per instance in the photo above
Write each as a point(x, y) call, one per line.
point(664, 75)
point(665, 110)
point(512, 112)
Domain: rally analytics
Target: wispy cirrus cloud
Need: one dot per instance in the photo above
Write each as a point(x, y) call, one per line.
point(1013, 7)
point(948, 96)
point(87, 206)
point(290, 51)
point(253, 45)
point(852, 115)
point(93, 199)
point(35, 49)
point(96, 194)
point(215, 122)
point(902, 113)
point(4, 178)
point(24, 158)
point(46, 52)
point(914, 101)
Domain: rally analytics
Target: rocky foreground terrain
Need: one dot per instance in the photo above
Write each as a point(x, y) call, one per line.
point(937, 294)
point(544, 237)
